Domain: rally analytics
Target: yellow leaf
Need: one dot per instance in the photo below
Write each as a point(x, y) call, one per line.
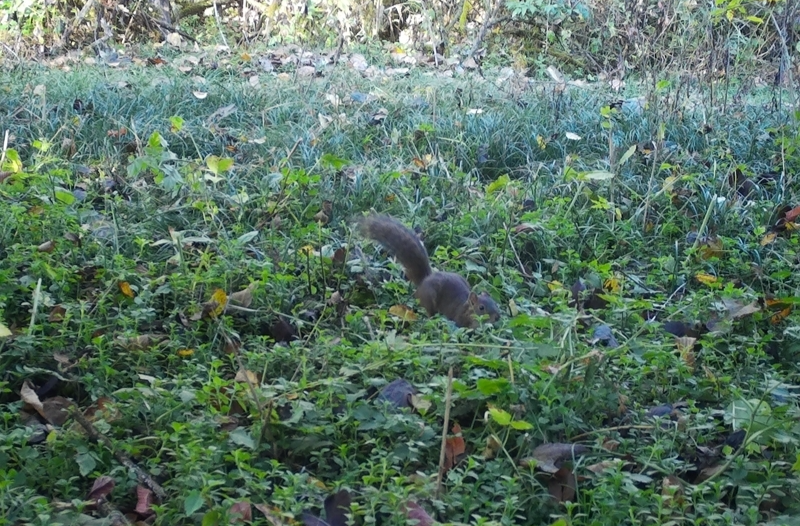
point(554, 286)
point(185, 353)
point(246, 57)
point(220, 299)
point(126, 290)
point(706, 279)
point(769, 238)
point(612, 285)
point(541, 142)
point(403, 312)
point(307, 250)
point(245, 376)
point(5, 332)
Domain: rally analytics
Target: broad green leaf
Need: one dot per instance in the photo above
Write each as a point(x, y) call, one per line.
point(218, 165)
point(599, 176)
point(248, 237)
point(627, 155)
point(498, 184)
point(241, 437)
point(501, 417)
point(12, 163)
point(212, 518)
point(560, 522)
point(176, 123)
point(192, 503)
point(521, 425)
point(330, 160)
point(86, 463)
point(65, 197)
point(489, 386)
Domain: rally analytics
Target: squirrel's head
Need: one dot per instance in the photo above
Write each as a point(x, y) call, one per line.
point(484, 305)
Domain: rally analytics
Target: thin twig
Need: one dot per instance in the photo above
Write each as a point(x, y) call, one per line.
point(444, 430)
point(94, 434)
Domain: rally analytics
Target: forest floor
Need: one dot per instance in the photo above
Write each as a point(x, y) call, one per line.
point(193, 331)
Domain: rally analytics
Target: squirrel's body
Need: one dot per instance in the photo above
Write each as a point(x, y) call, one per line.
point(444, 293)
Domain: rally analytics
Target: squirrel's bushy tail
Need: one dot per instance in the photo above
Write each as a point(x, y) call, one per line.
point(401, 242)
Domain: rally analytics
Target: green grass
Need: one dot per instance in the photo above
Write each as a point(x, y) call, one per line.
point(522, 224)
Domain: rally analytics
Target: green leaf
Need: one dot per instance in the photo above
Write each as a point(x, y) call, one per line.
point(241, 437)
point(331, 161)
point(86, 463)
point(176, 123)
point(212, 518)
point(12, 163)
point(489, 386)
point(248, 237)
point(627, 155)
point(501, 417)
point(498, 184)
point(192, 503)
point(65, 197)
point(218, 165)
point(560, 522)
point(662, 85)
point(754, 19)
point(598, 175)
point(521, 425)
point(5, 332)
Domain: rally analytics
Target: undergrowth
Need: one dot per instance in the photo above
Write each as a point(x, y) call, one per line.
point(122, 217)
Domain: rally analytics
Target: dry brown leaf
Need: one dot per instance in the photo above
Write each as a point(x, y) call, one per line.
point(30, 397)
point(273, 515)
point(454, 448)
point(101, 488)
point(245, 376)
point(606, 464)
point(243, 298)
point(414, 511)
point(144, 501)
point(242, 512)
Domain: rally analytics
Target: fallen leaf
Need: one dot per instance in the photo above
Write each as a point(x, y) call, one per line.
point(246, 376)
point(144, 501)
point(454, 448)
point(415, 512)
point(706, 279)
point(273, 515)
point(30, 397)
point(101, 488)
point(244, 297)
point(241, 512)
point(126, 290)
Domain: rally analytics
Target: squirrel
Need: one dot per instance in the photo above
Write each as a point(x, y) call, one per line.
point(444, 293)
